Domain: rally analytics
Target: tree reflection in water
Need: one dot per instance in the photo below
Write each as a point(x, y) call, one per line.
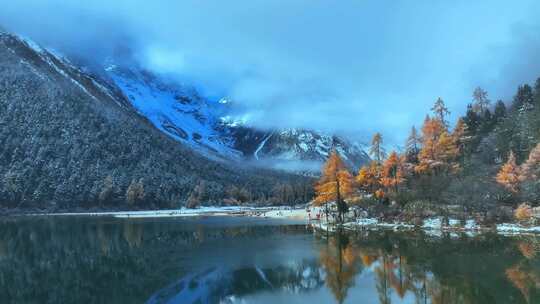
point(105, 260)
point(340, 263)
point(406, 266)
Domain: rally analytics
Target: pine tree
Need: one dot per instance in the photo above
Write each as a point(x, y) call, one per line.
point(392, 172)
point(471, 119)
point(500, 110)
point(524, 98)
point(335, 184)
point(460, 135)
point(510, 174)
point(412, 146)
point(440, 111)
point(536, 96)
point(481, 101)
point(377, 150)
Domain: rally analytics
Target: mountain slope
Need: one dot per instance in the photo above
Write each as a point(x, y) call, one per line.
point(176, 110)
point(296, 149)
point(68, 139)
point(206, 126)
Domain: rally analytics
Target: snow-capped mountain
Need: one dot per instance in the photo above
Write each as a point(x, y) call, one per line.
point(174, 109)
point(295, 149)
point(69, 132)
point(181, 113)
point(208, 127)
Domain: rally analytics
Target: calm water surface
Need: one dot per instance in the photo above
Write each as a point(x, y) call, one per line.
point(249, 260)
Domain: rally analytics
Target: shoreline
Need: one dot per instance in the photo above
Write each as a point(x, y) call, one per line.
point(265, 212)
point(432, 225)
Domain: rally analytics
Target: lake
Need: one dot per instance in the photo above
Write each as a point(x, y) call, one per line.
point(255, 260)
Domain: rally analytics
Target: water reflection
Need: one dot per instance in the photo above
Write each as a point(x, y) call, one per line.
point(339, 259)
point(217, 260)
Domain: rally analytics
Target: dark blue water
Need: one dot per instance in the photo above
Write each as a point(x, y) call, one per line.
point(250, 260)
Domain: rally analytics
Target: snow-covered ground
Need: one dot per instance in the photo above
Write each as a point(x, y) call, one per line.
point(432, 226)
point(435, 227)
point(271, 212)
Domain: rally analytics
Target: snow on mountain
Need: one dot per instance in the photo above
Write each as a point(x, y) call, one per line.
point(296, 149)
point(49, 64)
point(180, 112)
point(210, 128)
point(174, 109)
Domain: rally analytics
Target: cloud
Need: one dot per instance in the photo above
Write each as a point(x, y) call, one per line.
point(353, 67)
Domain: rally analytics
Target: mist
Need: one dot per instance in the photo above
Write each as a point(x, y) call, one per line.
point(353, 67)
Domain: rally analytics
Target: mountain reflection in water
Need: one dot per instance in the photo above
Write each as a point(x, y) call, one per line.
point(243, 260)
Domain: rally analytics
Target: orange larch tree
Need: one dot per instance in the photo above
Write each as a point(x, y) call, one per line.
point(368, 177)
point(431, 131)
point(447, 150)
point(509, 175)
point(392, 172)
point(531, 167)
point(335, 185)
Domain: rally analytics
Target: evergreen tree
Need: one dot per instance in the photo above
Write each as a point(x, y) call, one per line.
point(471, 119)
point(377, 150)
point(536, 96)
point(524, 98)
point(461, 136)
point(500, 110)
point(412, 146)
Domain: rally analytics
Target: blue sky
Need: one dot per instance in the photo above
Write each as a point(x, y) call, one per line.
point(353, 67)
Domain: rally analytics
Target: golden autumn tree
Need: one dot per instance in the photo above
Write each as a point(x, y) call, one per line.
point(509, 175)
point(335, 185)
point(368, 177)
point(428, 156)
point(531, 167)
point(440, 149)
point(392, 172)
point(447, 150)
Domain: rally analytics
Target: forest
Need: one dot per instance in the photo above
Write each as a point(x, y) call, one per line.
point(487, 163)
point(65, 145)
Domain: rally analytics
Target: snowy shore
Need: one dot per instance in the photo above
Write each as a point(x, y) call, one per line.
point(433, 226)
point(270, 212)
